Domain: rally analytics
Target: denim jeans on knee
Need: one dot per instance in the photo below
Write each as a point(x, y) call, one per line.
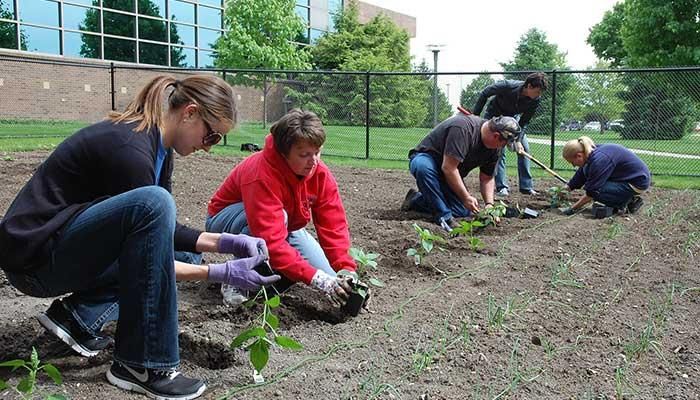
point(232, 219)
point(436, 196)
point(116, 260)
point(524, 176)
point(615, 194)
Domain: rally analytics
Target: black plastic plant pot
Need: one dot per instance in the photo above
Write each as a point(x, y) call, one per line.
point(601, 211)
point(530, 213)
point(356, 300)
point(512, 212)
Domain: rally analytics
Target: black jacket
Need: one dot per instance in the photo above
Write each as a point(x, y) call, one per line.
point(508, 101)
point(99, 161)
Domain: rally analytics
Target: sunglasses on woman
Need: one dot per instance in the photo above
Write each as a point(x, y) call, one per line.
point(212, 137)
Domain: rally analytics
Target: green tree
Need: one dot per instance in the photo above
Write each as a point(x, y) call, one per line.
point(470, 94)
point(535, 53)
point(649, 33)
point(598, 96)
point(379, 45)
point(8, 31)
point(260, 35)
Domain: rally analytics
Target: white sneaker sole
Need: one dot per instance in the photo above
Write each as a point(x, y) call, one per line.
point(134, 387)
point(65, 337)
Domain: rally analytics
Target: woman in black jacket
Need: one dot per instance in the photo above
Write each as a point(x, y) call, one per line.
point(97, 220)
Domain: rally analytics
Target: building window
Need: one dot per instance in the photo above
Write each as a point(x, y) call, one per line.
point(206, 59)
point(40, 12)
point(182, 57)
point(153, 8)
point(181, 11)
point(335, 6)
point(81, 45)
point(41, 40)
point(151, 53)
point(7, 9)
point(81, 18)
point(153, 29)
point(207, 38)
point(209, 17)
point(120, 49)
point(316, 34)
point(182, 34)
point(8, 35)
point(121, 5)
point(120, 24)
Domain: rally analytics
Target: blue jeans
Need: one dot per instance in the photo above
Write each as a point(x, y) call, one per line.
point(436, 197)
point(524, 176)
point(232, 219)
point(615, 194)
point(116, 260)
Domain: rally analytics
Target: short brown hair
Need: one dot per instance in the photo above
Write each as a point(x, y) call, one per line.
point(297, 126)
point(536, 79)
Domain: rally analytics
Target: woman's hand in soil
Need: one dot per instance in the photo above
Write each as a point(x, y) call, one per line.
point(332, 287)
point(241, 245)
point(240, 273)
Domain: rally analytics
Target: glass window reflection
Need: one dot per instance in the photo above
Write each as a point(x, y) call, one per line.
point(207, 38)
point(152, 29)
point(123, 5)
point(181, 12)
point(303, 12)
point(216, 3)
point(81, 45)
point(335, 6)
point(208, 16)
point(154, 8)
point(303, 36)
point(8, 35)
point(119, 24)
point(7, 9)
point(151, 53)
point(95, 3)
point(40, 12)
point(120, 49)
point(206, 59)
point(316, 34)
point(81, 18)
point(182, 34)
point(182, 57)
point(40, 40)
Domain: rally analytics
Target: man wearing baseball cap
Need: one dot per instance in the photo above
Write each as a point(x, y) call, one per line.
point(444, 157)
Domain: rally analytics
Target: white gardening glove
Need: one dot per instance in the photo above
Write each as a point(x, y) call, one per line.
point(331, 286)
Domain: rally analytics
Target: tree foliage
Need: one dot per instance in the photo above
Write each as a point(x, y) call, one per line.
point(595, 97)
point(260, 35)
point(8, 31)
point(535, 53)
point(470, 94)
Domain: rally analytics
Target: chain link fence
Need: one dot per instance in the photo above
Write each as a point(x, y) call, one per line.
point(654, 112)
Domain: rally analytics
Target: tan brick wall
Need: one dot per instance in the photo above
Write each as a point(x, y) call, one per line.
point(368, 11)
point(41, 90)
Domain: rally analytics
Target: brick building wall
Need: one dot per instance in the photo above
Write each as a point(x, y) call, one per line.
point(368, 11)
point(32, 87)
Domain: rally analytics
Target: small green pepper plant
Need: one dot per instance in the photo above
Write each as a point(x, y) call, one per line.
point(427, 244)
point(466, 228)
point(489, 215)
point(25, 387)
point(365, 263)
point(557, 197)
point(264, 334)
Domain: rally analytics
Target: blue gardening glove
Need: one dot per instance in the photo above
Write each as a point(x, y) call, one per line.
point(241, 246)
point(240, 273)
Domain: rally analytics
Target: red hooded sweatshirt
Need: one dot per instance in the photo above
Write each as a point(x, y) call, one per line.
point(267, 187)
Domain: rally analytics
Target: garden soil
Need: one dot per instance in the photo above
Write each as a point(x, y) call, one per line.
point(551, 308)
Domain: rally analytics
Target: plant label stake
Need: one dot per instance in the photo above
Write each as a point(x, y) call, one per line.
point(257, 377)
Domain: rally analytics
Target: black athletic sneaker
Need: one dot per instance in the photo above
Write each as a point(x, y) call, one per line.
point(408, 200)
point(155, 383)
point(635, 204)
point(59, 321)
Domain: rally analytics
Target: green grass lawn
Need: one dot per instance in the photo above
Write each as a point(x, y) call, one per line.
point(346, 145)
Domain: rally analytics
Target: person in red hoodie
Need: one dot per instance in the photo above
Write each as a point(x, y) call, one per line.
point(274, 194)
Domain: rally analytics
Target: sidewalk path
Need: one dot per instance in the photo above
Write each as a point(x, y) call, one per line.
point(560, 143)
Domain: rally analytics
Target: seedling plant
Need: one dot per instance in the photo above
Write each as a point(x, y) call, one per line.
point(25, 387)
point(264, 334)
point(557, 197)
point(427, 244)
point(489, 216)
point(466, 228)
point(365, 263)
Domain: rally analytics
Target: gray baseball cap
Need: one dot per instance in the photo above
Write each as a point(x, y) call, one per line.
point(508, 127)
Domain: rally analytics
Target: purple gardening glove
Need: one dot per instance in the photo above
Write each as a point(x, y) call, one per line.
point(241, 245)
point(240, 273)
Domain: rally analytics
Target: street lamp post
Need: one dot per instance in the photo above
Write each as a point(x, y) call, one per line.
point(435, 48)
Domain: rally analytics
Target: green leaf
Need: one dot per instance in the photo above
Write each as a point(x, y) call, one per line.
point(57, 397)
point(3, 385)
point(250, 333)
point(272, 320)
point(376, 282)
point(26, 386)
point(411, 252)
point(259, 354)
point(53, 373)
point(428, 246)
point(288, 343)
point(14, 364)
point(34, 358)
point(273, 302)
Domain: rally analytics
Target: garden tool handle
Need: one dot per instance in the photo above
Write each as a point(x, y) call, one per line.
point(546, 168)
point(464, 110)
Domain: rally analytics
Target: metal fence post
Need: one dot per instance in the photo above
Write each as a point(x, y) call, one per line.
point(367, 115)
point(223, 75)
point(111, 88)
point(265, 89)
point(554, 118)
